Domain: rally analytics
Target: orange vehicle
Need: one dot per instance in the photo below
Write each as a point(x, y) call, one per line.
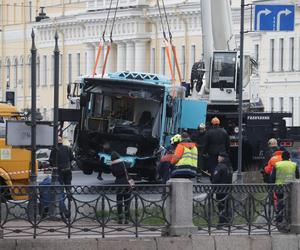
point(14, 162)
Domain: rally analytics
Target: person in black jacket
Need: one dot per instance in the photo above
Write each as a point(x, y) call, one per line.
point(198, 138)
point(64, 158)
point(223, 175)
point(119, 169)
point(216, 140)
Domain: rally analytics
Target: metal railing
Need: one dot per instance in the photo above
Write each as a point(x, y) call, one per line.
point(238, 209)
point(75, 211)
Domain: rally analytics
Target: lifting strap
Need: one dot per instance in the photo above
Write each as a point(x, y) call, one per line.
point(102, 41)
point(111, 40)
point(171, 44)
point(167, 44)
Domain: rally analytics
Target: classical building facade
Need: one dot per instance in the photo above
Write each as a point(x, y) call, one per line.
point(137, 46)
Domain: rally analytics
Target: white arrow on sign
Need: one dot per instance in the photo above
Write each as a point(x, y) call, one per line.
point(279, 14)
point(261, 12)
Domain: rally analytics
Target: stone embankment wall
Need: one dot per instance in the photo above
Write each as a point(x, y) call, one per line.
point(195, 242)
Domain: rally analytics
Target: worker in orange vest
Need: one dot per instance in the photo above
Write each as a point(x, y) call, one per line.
point(277, 156)
point(185, 158)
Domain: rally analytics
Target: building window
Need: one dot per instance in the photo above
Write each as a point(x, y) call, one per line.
point(70, 68)
point(256, 53)
point(281, 108)
point(272, 104)
point(193, 55)
point(15, 72)
point(21, 65)
point(85, 59)
point(281, 53)
point(272, 54)
point(45, 70)
point(292, 51)
point(291, 108)
point(152, 70)
point(7, 73)
point(60, 68)
point(183, 61)
point(52, 70)
point(163, 61)
point(38, 68)
point(30, 11)
point(29, 71)
point(78, 64)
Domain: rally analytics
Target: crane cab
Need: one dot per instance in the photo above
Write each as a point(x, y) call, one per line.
point(223, 82)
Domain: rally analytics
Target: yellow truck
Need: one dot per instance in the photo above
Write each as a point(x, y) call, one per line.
point(14, 162)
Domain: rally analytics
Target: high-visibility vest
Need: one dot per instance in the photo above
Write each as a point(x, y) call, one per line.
point(189, 157)
point(285, 172)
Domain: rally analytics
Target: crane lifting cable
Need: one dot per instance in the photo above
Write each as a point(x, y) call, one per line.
point(102, 41)
point(166, 42)
point(111, 40)
point(171, 43)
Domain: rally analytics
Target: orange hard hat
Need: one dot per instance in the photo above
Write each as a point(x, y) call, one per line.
point(215, 121)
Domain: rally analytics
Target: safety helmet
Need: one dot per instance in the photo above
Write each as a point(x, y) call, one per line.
point(176, 139)
point(215, 121)
point(272, 142)
point(201, 126)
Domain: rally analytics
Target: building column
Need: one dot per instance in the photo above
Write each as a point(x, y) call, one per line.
point(141, 56)
point(90, 59)
point(121, 57)
point(130, 56)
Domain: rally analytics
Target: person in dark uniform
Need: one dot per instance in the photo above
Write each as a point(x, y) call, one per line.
point(198, 138)
point(119, 169)
point(223, 175)
point(216, 140)
point(64, 158)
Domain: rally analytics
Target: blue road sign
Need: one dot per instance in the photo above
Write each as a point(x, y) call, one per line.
point(274, 18)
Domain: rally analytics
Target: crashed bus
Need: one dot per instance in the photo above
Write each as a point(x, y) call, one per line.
point(134, 114)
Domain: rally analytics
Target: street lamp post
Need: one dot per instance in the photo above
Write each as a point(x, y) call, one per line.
point(55, 191)
point(240, 148)
point(55, 114)
point(33, 111)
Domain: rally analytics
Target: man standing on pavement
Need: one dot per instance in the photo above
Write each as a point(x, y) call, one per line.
point(198, 138)
point(216, 140)
point(223, 175)
point(64, 159)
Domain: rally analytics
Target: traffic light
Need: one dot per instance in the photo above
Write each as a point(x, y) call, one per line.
point(10, 97)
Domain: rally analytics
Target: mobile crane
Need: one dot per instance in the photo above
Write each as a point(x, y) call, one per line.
point(216, 79)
